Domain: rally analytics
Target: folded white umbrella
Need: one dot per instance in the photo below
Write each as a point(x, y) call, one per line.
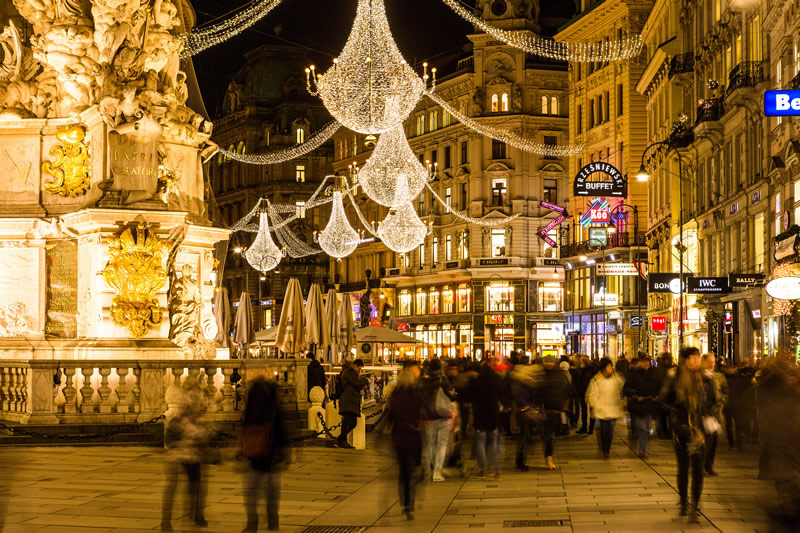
point(243, 333)
point(318, 333)
point(291, 332)
point(222, 315)
point(332, 318)
point(347, 329)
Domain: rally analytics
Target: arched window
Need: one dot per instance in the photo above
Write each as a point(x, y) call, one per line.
point(504, 102)
point(495, 103)
point(544, 105)
point(554, 106)
point(240, 149)
point(220, 159)
point(231, 148)
point(300, 135)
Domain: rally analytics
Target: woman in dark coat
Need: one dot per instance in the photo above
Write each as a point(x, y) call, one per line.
point(404, 415)
point(486, 394)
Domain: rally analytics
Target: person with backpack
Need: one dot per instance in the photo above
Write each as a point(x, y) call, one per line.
point(348, 387)
point(263, 443)
point(437, 395)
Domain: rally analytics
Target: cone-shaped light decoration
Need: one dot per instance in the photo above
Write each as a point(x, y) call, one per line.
point(393, 162)
point(402, 230)
point(370, 88)
point(263, 255)
point(338, 239)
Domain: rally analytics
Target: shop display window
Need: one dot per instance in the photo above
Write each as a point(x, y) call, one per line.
point(421, 302)
point(499, 297)
point(464, 297)
point(447, 300)
point(405, 303)
point(433, 301)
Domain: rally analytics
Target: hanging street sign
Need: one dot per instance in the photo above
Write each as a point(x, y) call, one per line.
point(562, 216)
point(745, 280)
point(708, 285)
point(587, 184)
point(664, 282)
point(782, 103)
point(637, 321)
point(617, 269)
point(658, 323)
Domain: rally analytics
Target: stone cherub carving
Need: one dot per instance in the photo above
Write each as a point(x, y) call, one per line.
point(184, 305)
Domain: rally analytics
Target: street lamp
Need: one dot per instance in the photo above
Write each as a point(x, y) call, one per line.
point(644, 175)
point(605, 288)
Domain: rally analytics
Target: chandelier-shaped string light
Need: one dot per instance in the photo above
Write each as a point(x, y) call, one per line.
point(263, 254)
point(338, 239)
point(370, 88)
point(402, 230)
point(466, 218)
point(282, 156)
point(204, 37)
point(602, 51)
point(289, 241)
point(391, 163)
point(500, 134)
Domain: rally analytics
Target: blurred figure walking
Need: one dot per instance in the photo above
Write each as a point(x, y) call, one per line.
point(525, 379)
point(604, 398)
point(404, 415)
point(438, 410)
point(264, 441)
point(721, 392)
point(588, 370)
point(485, 393)
point(690, 396)
point(642, 389)
point(553, 395)
point(350, 399)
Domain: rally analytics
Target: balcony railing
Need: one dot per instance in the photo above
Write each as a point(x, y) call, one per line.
point(745, 74)
point(681, 138)
point(615, 240)
point(710, 109)
point(795, 83)
point(681, 63)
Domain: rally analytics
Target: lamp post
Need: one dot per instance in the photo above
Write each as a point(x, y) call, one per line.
point(630, 255)
point(603, 254)
point(644, 175)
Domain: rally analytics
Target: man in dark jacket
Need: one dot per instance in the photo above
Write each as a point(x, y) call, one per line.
point(623, 366)
point(350, 400)
point(316, 374)
point(739, 411)
point(665, 366)
point(486, 395)
point(587, 372)
point(553, 394)
point(642, 388)
point(437, 422)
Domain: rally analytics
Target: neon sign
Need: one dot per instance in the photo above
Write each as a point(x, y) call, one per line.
point(598, 213)
point(562, 216)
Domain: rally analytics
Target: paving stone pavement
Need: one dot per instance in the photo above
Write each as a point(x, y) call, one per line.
point(96, 489)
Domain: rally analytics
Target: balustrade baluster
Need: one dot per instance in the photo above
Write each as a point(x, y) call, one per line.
point(70, 393)
point(135, 404)
point(228, 392)
point(211, 391)
point(23, 390)
point(122, 391)
point(4, 396)
point(87, 391)
point(104, 391)
point(16, 392)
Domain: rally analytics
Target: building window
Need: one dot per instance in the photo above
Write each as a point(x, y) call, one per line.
point(405, 303)
point(445, 118)
point(600, 117)
point(434, 124)
point(498, 149)
point(500, 297)
point(553, 105)
point(499, 192)
point(504, 102)
point(422, 255)
point(464, 153)
point(607, 110)
point(591, 114)
point(240, 147)
point(550, 193)
point(498, 242)
point(545, 105)
point(420, 124)
point(421, 204)
point(464, 245)
point(579, 120)
point(355, 146)
point(448, 248)
point(620, 99)
point(447, 157)
point(447, 300)
point(448, 196)
point(463, 203)
point(300, 136)
point(463, 298)
point(758, 230)
point(402, 260)
point(550, 140)
point(435, 250)
point(433, 301)
point(421, 303)
point(434, 156)
point(550, 297)
point(778, 206)
point(495, 103)
point(300, 173)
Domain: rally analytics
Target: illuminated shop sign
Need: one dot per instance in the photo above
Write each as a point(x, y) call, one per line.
point(562, 216)
point(708, 285)
point(787, 288)
point(658, 323)
point(661, 282)
point(782, 103)
point(745, 280)
point(609, 300)
point(617, 187)
point(617, 269)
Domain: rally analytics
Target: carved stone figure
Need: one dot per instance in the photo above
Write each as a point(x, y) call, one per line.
point(516, 99)
point(477, 100)
point(71, 165)
point(184, 305)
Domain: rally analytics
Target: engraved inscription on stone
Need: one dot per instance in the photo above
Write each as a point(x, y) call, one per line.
point(62, 289)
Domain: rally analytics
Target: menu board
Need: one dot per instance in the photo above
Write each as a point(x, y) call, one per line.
point(62, 289)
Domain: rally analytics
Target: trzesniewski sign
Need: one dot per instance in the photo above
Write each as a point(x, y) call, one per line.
point(592, 180)
point(782, 103)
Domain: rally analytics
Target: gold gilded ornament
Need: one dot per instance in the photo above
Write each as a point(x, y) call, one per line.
point(134, 271)
point(70, 165)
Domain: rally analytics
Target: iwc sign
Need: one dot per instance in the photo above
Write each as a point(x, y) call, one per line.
point(590, 181)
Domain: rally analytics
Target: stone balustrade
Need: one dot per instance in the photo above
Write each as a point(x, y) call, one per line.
point(124, 391)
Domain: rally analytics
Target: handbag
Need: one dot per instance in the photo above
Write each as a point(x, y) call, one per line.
point(534, 415)
point(442, 406)
point(256, 441)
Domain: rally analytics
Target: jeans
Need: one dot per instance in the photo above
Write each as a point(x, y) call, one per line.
point(487, 440)
point(525, 436)
point(550, 427)
point(684, 462)
point(584, 411)
point(349, 422)
point(605, 433)
point(269, 482)
point(194, 491)
point(642, 424)
point(407, 462)
point(711, 450)
point(434, 449)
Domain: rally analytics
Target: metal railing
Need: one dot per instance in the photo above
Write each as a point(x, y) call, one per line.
point(710, 109)
point(615, 240)
point(681, 63)
point(745, 74)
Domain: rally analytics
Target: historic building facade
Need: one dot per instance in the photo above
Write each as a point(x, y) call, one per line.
point(608, 116)
point(266, 109)
point(469, 288)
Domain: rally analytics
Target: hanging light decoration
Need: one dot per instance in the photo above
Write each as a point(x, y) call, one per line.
point(402, 230)
point(263, 254)
point(370, 88)
point(467, 218)
point(282, 156)
point(391, 163)
point(601, 51)
point(338, 239)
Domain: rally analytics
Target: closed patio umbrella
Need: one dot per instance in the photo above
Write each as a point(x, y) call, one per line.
point(291, 331)
point(332, 318)
point(347, 329)
point(318, 333)
point(243, 333)
point(222, 315)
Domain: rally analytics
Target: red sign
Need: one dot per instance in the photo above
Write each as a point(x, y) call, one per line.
point(658, 323)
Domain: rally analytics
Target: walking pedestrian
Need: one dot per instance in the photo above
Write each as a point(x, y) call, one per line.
point(622, 366)
point(264, 440)
point(665, 369)
point(485, 394)
point(350, 400)
point(554, 394)
point(642, 389)
point(316, 374)
point(709, 364)
point(404, 415)
point(604, 398)
point(587, 372)
point(437, 395)
point(691, 399)
point(740, 407)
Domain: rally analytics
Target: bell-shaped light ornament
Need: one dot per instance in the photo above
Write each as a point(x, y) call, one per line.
point(338, 239)
point(402, 230)
point(370, 88)
point(263, 254)
point(393, 175)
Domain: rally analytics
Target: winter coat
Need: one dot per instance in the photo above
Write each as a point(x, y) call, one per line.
point(586, 374)
point(555, 390)
point(404, 415)
point(353, 384)
point(604, 396)
point(741, 391)
point(427, 387)
point(263, 403)
point(687, 423)
point(720, 390)
point(622, 367)
point(486, 397)
point(645, 384)
point(525, 380)
point(316, 375)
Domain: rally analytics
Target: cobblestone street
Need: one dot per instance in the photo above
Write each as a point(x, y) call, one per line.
point(96, 489)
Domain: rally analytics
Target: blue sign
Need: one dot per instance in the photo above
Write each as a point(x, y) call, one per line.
point(782, 103)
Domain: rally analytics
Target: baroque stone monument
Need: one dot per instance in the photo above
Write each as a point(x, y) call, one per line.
point(106, 249)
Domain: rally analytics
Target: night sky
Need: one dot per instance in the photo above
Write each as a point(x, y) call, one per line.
point(423, 29)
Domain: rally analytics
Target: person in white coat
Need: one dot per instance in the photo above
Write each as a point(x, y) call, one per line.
point(604, 398)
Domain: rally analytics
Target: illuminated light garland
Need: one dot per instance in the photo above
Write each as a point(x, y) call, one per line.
point(370, 88)
point(282, 156)
point(393, 162)
point(263, 254)
point(500, 134)
point(614, 50)
point(294, 247)
point(402, 230)
point(471, 220)
point(338, 239)
point(203, 38)
point(364, 222)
